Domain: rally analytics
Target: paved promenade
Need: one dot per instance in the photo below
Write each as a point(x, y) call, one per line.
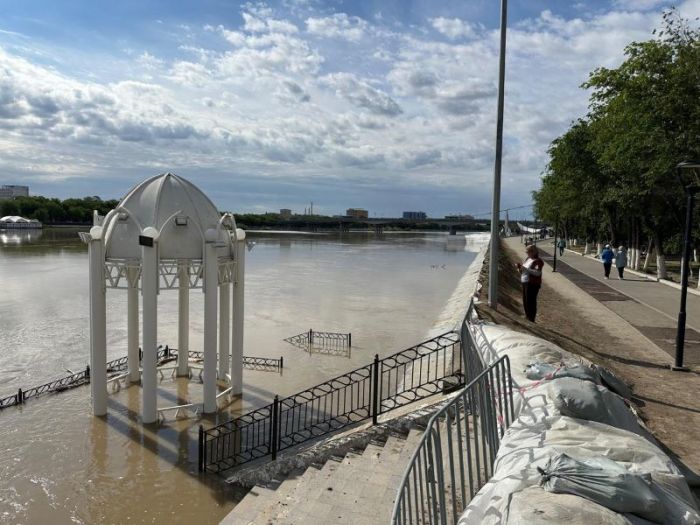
point(628, 326)
point(651, 307)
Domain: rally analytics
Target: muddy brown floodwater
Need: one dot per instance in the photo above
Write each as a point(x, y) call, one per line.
point(58, 464)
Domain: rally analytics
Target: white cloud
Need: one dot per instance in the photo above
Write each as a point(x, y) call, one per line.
point(371, 105)
point(453, 28)
point(339, 25)
point(361, 94)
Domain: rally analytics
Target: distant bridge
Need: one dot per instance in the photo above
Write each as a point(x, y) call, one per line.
point(379, 224)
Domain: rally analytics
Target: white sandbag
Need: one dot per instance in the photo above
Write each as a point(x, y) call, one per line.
point(535, 371)
point(585, 400)
point(541, 431)
point(678, 502)
point(534, 506)
point(613, 382)
point(602, 481)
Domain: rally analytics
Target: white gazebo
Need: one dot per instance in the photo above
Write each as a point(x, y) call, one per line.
point(167, 234)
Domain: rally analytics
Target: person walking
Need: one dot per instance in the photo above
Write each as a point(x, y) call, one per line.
point(531, 280)
point(561, 244)
point(621, 261)
point(607, 256)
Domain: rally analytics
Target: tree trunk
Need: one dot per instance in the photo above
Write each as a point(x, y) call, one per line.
point(598, 249)
point(648, 256)
point(587, 248)
point(695, 255)
point(637, 247)
point(661, 272)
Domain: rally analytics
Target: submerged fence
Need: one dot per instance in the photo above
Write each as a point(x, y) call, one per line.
point(457, 451)
point(321, 342)
point(363, 393)
point(117, 365)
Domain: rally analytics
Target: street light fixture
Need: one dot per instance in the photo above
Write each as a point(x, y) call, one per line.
point(689, 175)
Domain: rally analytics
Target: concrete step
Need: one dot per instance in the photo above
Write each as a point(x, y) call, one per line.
point(280, 499)
point(362, 489)
point(249, 507)
point(359, 489)
point(311, 496)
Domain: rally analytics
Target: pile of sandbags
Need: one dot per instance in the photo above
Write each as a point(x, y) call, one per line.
point(576, 452)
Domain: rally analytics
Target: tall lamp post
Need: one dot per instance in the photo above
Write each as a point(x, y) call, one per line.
point(496, 202)
point(689, 175)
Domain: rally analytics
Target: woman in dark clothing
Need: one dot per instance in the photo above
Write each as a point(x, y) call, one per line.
point(531, 280)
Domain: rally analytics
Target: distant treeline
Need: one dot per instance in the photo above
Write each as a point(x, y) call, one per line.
point(56, 211)
point(79, 211)
point(264, 221)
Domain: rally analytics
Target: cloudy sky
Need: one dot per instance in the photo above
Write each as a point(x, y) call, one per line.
point(386, 105)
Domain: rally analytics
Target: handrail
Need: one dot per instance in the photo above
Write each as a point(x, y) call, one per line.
point(457, 451)
point(366, 392)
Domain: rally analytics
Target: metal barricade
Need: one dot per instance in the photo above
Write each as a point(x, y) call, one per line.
point(456, 454)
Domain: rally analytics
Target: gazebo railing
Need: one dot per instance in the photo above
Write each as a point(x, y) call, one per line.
point(118, 365)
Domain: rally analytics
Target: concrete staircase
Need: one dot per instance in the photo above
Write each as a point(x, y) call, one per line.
point(359, 488)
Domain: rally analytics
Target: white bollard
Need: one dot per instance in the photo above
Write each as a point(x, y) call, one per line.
point(183, 320)
point(211, 284)
point(98, 322)
point(238, 316)
point(224, 328)
point(149, 290)
point(132, 300)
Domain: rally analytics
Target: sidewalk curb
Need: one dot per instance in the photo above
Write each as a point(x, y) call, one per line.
point(645, 275)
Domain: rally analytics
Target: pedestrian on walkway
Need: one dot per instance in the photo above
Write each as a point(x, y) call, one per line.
point(621, 261)
point(531, 280)
point(607, 256)
point(561, 244)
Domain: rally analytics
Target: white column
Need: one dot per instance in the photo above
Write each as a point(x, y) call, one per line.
point(183, 319)
point(238, 316)
point(211, 284)
point(149, 290)
point(224, 328)
point(98, 322)
point(132, 301)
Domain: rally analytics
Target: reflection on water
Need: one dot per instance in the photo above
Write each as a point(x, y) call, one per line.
point(60, 465)
point(17, 237)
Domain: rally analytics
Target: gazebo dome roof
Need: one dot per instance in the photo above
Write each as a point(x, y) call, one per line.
point(180, 213)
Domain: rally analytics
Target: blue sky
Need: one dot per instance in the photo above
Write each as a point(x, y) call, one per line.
point(386, 105)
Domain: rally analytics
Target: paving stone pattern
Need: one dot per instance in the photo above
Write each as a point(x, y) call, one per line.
point(659, 329)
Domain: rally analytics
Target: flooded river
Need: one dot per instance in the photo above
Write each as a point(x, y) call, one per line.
point(58, 464)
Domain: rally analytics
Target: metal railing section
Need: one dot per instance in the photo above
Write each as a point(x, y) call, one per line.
point(164, 354)
point(363, 393)
point(419, 372)
point(237, 441)
point(456, 454)
point(320, 340)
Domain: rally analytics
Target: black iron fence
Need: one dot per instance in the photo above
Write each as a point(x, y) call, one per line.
point(57, 385)
point(318, 341)
point(366, 392)
point(119, 365)
point(269, 364)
